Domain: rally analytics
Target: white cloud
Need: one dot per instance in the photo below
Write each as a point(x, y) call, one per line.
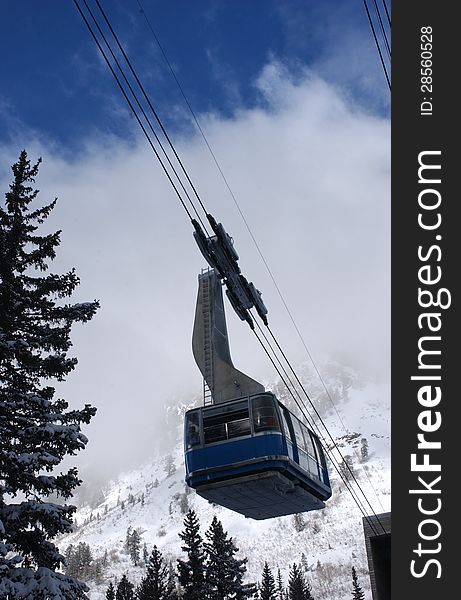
point(311, 174)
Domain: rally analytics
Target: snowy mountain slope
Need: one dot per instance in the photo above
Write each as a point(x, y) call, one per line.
point(327, 542)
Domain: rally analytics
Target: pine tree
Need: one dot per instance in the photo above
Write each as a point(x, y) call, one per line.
point(80, 563)
point(346, 467)
point(68, 554)
point(36, 430)
point(192, 571)
point(298, 588)
point(135, 547)
point(299, 522)
point(308, 592)
point(304, 565)
point(97, 570)
point(357, 592)
point(85, 561)
point(125, 590)
point(110, 592)
point(157, 584)
point(280, 586)
point(249, 590)
point(172, 586)
point(170, 467)
point(364, 449)
point(224, 572)
point(267, 590)
point(129, 531)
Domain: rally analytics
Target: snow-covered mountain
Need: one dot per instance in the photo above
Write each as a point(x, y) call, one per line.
point(327, 542)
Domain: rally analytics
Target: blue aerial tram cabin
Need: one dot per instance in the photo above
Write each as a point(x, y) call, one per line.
point(255, 457)
point(243, 450)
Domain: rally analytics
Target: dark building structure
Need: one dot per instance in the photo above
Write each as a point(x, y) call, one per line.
point(377, 531)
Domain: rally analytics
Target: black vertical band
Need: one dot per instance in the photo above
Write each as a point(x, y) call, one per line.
point(425, 259)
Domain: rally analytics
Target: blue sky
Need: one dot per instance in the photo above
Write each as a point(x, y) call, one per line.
point(54, 83)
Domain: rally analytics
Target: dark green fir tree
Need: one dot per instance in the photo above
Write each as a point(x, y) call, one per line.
point(172, 585)
point(79, 561)
point(37, 431)
point(135, 547)
point(125, 590)
point(224, 572)
point(357, 592)
point(157, 584)
point(191, 572)
point(267, 589)
point(280, 587)
point(110, 592)
point(298, 587)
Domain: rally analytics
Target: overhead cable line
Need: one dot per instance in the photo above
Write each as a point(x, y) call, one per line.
point(383, 30)
point(387, 13)
point(370, 21)
point(200, 129)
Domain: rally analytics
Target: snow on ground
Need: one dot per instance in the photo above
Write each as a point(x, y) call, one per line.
point(328, 542)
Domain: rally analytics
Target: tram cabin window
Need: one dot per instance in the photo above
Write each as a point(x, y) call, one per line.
point(305, 443)
point(193, 430)
point(320, 454)
point(298, 434)
point(226, 422)
point(264, 414)
point(309, 443)
point(285, 417)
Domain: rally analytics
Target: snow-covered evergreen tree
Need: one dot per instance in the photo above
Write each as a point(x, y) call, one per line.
point(304, 564)
point(280, 587)
point(308, 592)
point(110, 592)
point(357, 592)
point(170, 467)
point(249, 590)
point(224, 572)
point(364, 449)
point(129, 531)
point(267, 589)
point(36, 430)
point(157, 584)
point(192, 571)
point(298, 588)
point(299, 522)
point(125, 589)
point(135, 547)
point(346, 467)
point(173, 583)
point(79, 562)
